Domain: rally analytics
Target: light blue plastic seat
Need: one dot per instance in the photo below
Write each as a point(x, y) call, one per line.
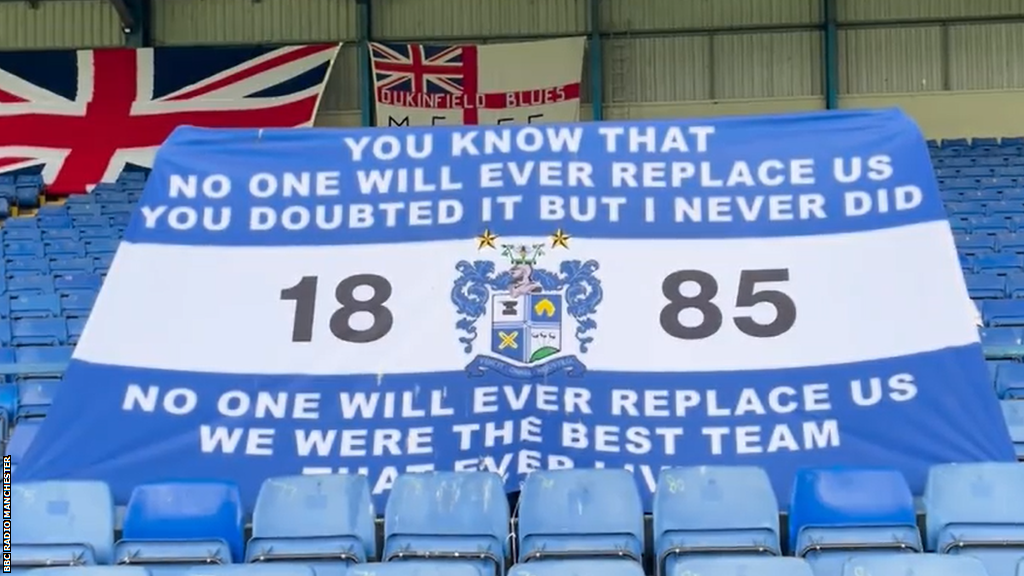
point(553, 567)
point(1004, 313)
point(448, 516)
point(998, 343)
point(1013, 413)
point(914, 565)
point(281, 569)
point(35, 397)
point(977, 510)
point(35, 306)
point(91, 571)
point(742, 566)
point(580, 514)
point(986, 285)
point(324, 521)
point(413, 568)
point(61, 523)
point(39, 332)
point(1010, 381)
point(719, 510)
point(182, 523)
point(999, 263)
point(840, 513)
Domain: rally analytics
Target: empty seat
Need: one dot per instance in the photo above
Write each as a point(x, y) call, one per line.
point(999, 263)
point(1000, 313)
point(1001, 343)
point(61, 523)
point(974, 243)
point(249, 570)
point(989, 225)
point(35, 398)
point(743, 566)
point(22, 437)
point(580, 513)
point(39, 332)
point(101, 246)
point(914, 565)
point(714, 510)
point(75, 327)
point(413, 568)
point(78, 281)
point(840, 513)
point(72, 265)
point(182, 523)
point(91, 571)
point(1011, 242)
point(977, 510)
point(64, 248)
point(77, 305)
point(26, 265)
point(1013, 413)
point(465, 518)
point(1010, 381)
point(577, 568)
point(35, 306)
point(30, 285)
point(326, 521)
point(986, 285)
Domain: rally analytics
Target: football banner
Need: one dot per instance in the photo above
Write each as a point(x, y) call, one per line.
point(80, 116)
point(775, 291)
point(522, 83)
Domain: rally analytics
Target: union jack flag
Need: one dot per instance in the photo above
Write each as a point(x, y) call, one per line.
point(421, 69)
point(82, 115)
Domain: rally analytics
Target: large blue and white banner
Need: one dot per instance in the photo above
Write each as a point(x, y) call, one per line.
point(773, 291)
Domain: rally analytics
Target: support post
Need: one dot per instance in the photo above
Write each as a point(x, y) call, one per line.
point(830, 54)
point(596, 60)
point(367, 100)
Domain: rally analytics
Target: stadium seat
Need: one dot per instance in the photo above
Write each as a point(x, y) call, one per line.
point(289, 569)
point(35, 306)
point(39, 332)
point(413, 568)
point(999, 263)
point(182, 523)
point(582, 514)
point(27, 265)
point(578, 568)
point(1001, 343)
point(986, 285)
point(1001, 313)
point(35, 398)
point(1013, 413)
point(324, 521)
point(43, 359)
point(914, 565)
point(465, 518)
point(977, 510)
point(975, 243)
point(72, 265)
point(1010, 381)
point(743, 566)
point(840, 513)
point(78, 304)
point(1015, 285)
point(61, 523)
point(22, 437)
point(75, 327)
point(64, 248)
point(100, 246)
point(989, 225)
point(91, 571)
point(87, 282)
point(722, 510)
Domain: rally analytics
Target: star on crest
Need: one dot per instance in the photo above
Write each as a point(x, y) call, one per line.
point(486, 239)
point(560, 239)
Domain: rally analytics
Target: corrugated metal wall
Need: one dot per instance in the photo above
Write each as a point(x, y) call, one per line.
point(59, 24)
point(476, 19)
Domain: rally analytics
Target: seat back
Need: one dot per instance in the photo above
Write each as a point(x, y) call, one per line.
point(914, 565)
point(580, 513)
point(843, 509)
point(323, 519)
point(414, 568)
point(276, 569)
point(743, 566)
point(62, 522)
point(448, 515)
point(571, 567)
point(22, 437)
point(185, 522)
point(715, 510)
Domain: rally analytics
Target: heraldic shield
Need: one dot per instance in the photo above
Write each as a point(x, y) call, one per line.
point(526, 328)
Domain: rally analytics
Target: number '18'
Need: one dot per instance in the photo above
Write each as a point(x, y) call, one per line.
point(304, 295)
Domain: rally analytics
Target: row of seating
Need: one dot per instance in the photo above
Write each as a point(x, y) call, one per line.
point(835, 514)
point(976, 142)
point(887, 565)
point(998, 263)
point(41, 331)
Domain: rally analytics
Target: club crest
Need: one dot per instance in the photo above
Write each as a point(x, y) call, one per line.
point(539, 320)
